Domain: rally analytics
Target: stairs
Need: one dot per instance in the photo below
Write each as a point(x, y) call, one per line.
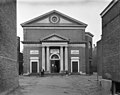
point(55, 74)
point(51, 74)
point(34, 74)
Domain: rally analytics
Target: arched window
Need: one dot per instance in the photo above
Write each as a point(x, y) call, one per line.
point(55, 57)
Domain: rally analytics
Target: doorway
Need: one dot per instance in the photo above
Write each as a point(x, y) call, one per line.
point(55, 66)
point(55, 63)
point(34, 67)
point(75, 65)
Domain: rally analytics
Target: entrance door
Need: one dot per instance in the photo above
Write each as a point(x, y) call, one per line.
point(55, 66)
point(34, 67)
point(75, 66)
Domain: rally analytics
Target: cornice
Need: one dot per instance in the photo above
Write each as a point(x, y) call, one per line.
point(62, 27)
point(112, 3)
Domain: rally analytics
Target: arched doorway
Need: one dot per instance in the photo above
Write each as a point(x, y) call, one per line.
point(55, 63)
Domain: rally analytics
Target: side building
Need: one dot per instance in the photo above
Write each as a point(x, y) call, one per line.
point(89, 55)
point(19, 58)
point(99, 58)
point(94, 55)
point(8, 46)
point(111, 44)
point(57, 43)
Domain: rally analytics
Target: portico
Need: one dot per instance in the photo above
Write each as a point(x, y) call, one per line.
point(54, 51)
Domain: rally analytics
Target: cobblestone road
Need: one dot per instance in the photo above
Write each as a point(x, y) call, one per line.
point(58, 85)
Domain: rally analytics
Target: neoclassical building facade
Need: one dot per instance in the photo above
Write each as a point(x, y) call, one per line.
point(57, 43)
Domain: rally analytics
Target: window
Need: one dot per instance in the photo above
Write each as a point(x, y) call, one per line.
point(55, 57)
point(54, 19)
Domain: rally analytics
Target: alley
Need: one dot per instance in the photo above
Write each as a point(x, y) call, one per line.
point(58, 85)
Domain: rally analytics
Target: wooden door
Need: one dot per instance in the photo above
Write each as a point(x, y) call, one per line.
point(75, 66)
point(34, 67)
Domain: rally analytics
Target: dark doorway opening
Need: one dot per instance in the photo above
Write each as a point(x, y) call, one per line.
point(115, 88)
point(34, 67)
point(55, 66)
point(75, 66)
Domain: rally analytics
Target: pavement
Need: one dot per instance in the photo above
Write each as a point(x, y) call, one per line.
point(58, 85)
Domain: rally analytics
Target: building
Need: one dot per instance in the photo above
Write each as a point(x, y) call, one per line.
point(20, 63)
point(99, 58)
point(57, 43)
point(88, 51)
point(19, 58)
point(18, 52)
point(94, 54)
point(111, 44)
point(8, 46)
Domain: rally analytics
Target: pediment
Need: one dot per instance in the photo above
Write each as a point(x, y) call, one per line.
point(54, 37)
point(47, 20)
point(53, 18)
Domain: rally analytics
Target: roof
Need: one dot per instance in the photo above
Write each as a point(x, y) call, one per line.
point(38, 42)
point(90, 34)
point(79, 23)
point(83, 42)
point(31, 42)
point(112, 3)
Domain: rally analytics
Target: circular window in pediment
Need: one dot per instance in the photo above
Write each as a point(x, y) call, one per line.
point(54, 19)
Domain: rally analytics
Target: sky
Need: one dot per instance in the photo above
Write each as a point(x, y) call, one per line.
point(87, 11)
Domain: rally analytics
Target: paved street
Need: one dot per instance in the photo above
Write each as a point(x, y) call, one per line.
point(57, 85)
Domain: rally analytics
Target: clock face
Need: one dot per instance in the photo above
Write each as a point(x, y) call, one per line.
point(54, 19)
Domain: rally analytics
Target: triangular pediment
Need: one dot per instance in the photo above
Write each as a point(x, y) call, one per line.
point(53, 18)
point(47, 20)
point(54, 37)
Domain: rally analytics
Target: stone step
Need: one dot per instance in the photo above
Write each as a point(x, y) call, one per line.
point(54, 74)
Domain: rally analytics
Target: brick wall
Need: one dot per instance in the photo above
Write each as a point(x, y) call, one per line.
point(88, 39)
point(75, 35)
point(111, 43)
point(27, 55)
point(8, 46)
point(99, 57)
point(94, 57)
point(81, 55)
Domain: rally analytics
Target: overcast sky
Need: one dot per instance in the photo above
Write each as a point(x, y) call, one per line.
point(87, 11)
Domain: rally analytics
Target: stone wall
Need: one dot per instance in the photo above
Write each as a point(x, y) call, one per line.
point(8, 46)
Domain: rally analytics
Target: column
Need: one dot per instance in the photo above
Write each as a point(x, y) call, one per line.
point(66, 58)
point(43, 58)
point(61, 59)
point(48, 60)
